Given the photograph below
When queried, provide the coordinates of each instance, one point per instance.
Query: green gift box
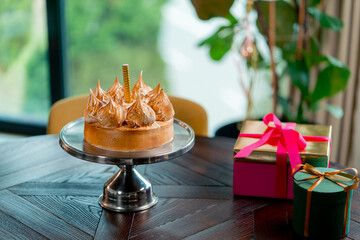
(322, 202)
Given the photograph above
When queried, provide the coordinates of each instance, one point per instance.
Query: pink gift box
(254, 179)
(255, 175)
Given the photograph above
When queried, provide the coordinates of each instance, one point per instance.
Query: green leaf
(335, 62)
(289, 51)
(313, 59)
(335, 110)
(325, 20)
(299, 74)
(314, 45)
(212, 38)
(207, 41)
(232, 19)
(331, 80)
(220, 42)
(313, 3)
(311, 56)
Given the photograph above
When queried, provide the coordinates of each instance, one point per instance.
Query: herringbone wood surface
(47, 194)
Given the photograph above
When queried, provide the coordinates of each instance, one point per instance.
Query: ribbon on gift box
(333, 177)
(288, 142)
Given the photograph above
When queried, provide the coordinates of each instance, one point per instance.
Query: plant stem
(272, 12)
(252, 76)
(292, 86)
(250, 105)
(301, 19)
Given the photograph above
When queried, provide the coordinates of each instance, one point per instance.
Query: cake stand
(127, 190)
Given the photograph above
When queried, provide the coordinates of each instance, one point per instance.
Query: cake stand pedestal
(127, 190)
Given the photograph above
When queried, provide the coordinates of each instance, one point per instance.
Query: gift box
(268, 151)
(322, 202)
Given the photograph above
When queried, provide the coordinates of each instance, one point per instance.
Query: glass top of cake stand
(72, 141)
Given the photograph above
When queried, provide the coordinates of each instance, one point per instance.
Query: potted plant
(283, 38)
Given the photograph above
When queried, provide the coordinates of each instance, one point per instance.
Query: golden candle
(126, 75)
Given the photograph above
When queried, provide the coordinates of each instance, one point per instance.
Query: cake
(142, 123)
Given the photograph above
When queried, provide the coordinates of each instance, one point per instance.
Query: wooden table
(46, 193)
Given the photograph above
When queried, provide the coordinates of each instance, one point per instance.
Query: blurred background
(157, 37)
(55, 49)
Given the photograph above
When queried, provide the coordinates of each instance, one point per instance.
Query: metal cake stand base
(127, 190)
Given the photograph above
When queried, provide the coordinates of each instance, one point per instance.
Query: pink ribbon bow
(288, 141)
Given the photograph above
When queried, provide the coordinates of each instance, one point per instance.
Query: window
(24, 94)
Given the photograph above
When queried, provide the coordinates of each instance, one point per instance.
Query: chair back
(191, 113)
(69, 109)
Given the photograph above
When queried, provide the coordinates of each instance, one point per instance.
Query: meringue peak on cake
(139, 114)
(112, 115)
(100, 93)
(140, 88)
(161, 104)
(153, 93)
(92, 107)
(116, 91)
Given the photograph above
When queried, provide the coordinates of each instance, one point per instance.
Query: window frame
(57, 59)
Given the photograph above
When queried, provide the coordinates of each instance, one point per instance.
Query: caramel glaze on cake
(144, 123)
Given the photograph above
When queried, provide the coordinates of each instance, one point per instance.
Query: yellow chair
(69, 109)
